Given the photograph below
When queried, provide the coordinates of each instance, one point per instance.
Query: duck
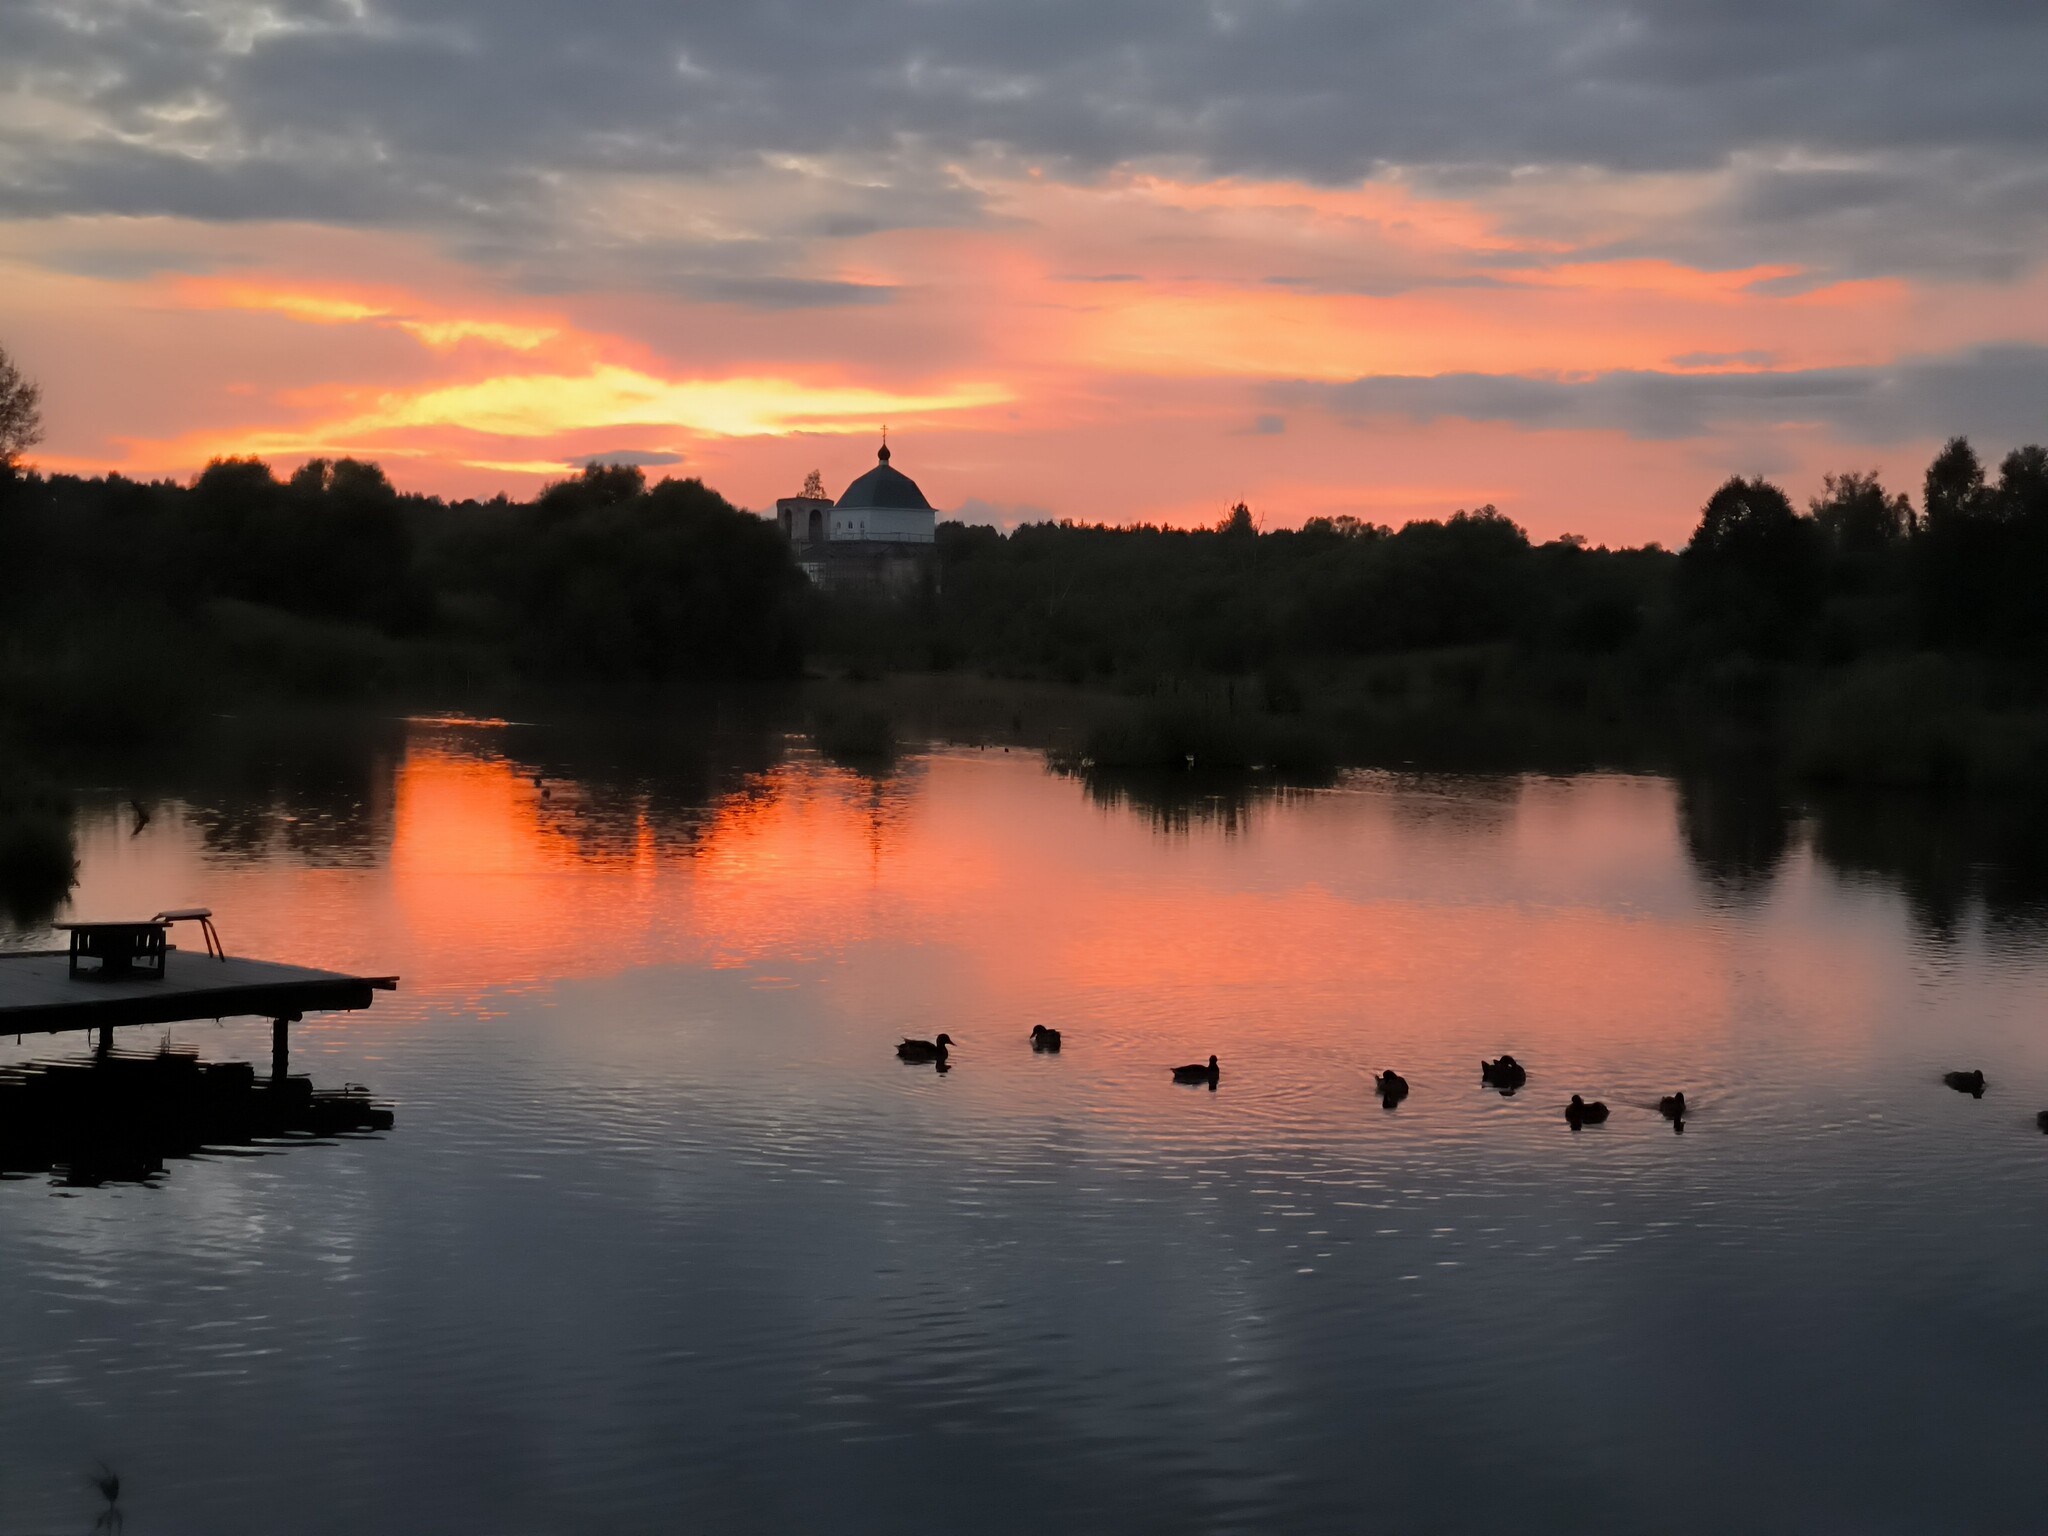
(2042, 1120)
(1391, 1085)
(1971, 1083)
(1579, 1112)
(1506, 1074)
(1194, 1074)
(1043, 1039)
(1672, 1106)
(925, 1050)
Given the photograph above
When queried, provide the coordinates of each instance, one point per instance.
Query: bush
(38, 859)
(855, 737)
(1183, 737)
(1918, 723)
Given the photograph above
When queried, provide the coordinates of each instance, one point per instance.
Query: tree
(1955, 492)
(1753, 567)
(1238, 520)
(814, 486)
(2023, 487)
(1345, 526)
(1856, 515)
(21, 417)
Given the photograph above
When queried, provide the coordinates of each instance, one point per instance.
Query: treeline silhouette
(333, 582)
(1861, 572)
(1883, 639)
(1879, 639)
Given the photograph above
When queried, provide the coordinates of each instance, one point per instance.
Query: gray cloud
(1898, 135)
(635, 457)
(1751, 357)
(128, 262)
(786, 292)
(1999, 393)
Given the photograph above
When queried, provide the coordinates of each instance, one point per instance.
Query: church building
(879, 533)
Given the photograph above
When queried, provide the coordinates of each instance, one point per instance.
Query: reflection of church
(879, 533)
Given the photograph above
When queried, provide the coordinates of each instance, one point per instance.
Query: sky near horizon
(1118, 260)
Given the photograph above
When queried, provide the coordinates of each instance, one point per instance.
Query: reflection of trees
(319, 789)
(613, 792)
(1737, 829)
(1944, 855)
(324, 791)
(1467, 804)
(1177, 802)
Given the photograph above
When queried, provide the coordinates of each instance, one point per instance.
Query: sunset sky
(1120, 260)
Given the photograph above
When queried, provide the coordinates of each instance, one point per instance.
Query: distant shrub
(1181, 737)
(1919, 723)
(856, 737)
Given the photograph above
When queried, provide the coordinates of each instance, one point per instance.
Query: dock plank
(38, 995)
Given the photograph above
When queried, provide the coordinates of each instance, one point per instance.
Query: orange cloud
(440, 332)
(1096, 350)
(542, 407)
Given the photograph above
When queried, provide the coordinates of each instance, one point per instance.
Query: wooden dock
(39, 995)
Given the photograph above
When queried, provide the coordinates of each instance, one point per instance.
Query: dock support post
(106, 1039)
(280, 1048)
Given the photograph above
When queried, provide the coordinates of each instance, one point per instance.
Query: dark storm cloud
(1864, 134)
(1998, 392)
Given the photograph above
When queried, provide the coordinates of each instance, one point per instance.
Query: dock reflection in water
(119, 1116)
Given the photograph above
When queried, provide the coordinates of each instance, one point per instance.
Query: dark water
(665, 1239)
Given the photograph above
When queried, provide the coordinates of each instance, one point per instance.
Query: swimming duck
(1579, 1112)
(1207, 1074)
(1506, 1074)
(925, 1050)
(1391, 1085)
(1672, 1106)
(1043, 1039)
(1971, 1083)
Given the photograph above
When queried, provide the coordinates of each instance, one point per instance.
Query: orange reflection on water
(978, 890)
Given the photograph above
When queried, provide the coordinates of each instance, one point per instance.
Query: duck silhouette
(1043, 1039)
(2042, 1120)
(1196, 1074)
(1506, 1074)
(1579, 1112)
(1391, 1086)
(1971, 1083)
(1672, 1106)
(925, 1050)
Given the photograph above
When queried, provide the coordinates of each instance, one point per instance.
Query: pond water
(666, 1239)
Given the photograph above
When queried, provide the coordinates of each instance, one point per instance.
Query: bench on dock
(118, 951)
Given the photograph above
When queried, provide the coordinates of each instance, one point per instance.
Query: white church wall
(893, 525)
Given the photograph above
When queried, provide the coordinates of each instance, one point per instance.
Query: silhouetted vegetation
(21, 417)
(38, 857)
(859, 736)
(1868, 641)
(122, 604)
(1861, 640)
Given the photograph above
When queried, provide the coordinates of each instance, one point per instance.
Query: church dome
(885, 487)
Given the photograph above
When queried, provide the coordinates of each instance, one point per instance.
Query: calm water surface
(666, 1239)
